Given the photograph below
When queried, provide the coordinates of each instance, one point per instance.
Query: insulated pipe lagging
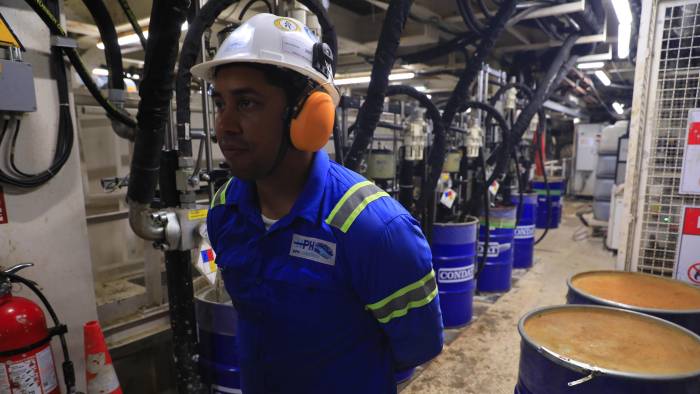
(156, 92)
(475, 63)
(384, 58)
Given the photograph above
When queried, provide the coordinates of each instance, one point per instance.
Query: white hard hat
(279, 41)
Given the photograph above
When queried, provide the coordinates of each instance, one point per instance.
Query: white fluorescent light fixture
(622, 10)
(618, 108)
(100, 72)
(591, 65)
(133, 38)
(603, 77)
(366, 79)
(624, 36)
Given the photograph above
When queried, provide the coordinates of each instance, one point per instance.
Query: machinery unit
(586, 139)
(665, 93)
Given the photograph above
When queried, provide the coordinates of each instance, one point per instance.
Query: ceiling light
(577, 120)
(365, 79)
(100, 72)
(603, 77)
(429, 96)
(401, 76)
(420, 88)
(618, 108)
(591, 65)
(624, 35)
(134, 38)
(136, 77)
(622, 10)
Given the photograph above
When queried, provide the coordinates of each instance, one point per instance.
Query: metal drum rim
(569, 283)
(550, 179)
(581, 367)
(468, 220)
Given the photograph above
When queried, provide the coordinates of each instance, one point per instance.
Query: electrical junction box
(586, 139)
(17, 87)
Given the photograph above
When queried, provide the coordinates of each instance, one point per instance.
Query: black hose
(55, 28)
(328, 34)
(481, 264)
(250, 4)
(538, 155)
(455, 44)
(475, 63)
(133, 21)
(465, 10)
(555, 73)
(337, 143)
(384, 58)
(108, 34)
(156, 90)
(191, 49)
(436, 157)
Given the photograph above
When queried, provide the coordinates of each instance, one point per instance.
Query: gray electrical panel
(17, 92)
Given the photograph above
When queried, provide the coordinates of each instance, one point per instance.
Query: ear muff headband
(311, 128)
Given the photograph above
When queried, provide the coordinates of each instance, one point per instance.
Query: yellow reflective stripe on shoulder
(413, 296)
(220, 195)
(353, 202)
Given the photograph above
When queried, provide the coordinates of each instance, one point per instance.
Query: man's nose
(228, 123)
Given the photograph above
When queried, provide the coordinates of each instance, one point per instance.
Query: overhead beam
(556, 10)
(591, 39)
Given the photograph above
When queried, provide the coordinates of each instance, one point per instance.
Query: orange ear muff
(311, 129)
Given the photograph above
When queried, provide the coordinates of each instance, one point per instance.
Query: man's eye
(245, 104)
(219, 104)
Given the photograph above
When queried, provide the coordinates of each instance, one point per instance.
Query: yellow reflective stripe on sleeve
(353, 202)
(345, 197)
(356, 212)
(415, 295)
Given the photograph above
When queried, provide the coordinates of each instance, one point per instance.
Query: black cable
(55, 28)
(538, 155)
(64, 138)
(384, 58)
(68, 371)
(133, 21)
(13, 165)
(465, 10)
(108, 33)
(481, 264)
(250, 4)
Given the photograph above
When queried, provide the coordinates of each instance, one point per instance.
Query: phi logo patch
(313, 249)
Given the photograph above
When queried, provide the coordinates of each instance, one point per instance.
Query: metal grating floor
(677, 91)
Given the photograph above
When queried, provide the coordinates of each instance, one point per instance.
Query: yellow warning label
(197, 214)
(7, 36)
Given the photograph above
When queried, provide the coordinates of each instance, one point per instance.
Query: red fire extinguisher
(26, 360)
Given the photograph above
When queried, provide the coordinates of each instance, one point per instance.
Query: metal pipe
(205, 118)
(141, 222)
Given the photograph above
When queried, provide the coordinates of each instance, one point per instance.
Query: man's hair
(292, 82)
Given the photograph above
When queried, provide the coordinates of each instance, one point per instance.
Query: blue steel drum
(218, 351)
(524, 239)
(664, 298)
(556, 189)
(498, 270)
(403, 376)
(558, 366)
(454, 250)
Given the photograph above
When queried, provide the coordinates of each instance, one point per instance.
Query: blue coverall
(336, 296)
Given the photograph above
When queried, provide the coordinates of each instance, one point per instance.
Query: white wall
(47, 225)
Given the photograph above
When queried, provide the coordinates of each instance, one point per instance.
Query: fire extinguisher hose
(58, 329)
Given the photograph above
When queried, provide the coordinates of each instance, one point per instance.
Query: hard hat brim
(205, 70)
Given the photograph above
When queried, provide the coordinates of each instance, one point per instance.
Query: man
(332, 279)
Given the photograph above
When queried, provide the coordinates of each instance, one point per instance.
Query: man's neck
(278, 192)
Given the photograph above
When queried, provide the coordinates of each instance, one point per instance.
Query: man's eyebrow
(236, 92)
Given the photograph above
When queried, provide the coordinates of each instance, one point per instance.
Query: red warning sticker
(688, 252)
(3, 208)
